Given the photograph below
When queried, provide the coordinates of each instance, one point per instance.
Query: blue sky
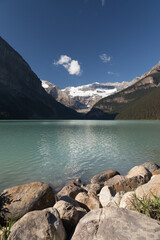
(75, 42)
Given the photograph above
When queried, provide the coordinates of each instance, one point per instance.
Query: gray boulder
(70, 190)
(72, 201)
(39, 225)
(19, 200)
(88, 201)
(121, 183)
(150, 188)
(151, 166)
(94, 188)
(106, 195)
(118, 179)
(81, 212)
(117, 199)
(128, 201)
(140, 171)
(116, 223)
(68, 214)
(103, 176)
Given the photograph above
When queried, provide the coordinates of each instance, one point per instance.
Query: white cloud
(105, 58)
(103, 2)
(63, 59)
(72, 66)
(113, 73)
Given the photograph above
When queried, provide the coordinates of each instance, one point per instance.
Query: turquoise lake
(56, 152)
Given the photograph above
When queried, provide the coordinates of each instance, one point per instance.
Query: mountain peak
(83, 97)
(139, 101)
(21, 91)
(155, 69)
(157, 66)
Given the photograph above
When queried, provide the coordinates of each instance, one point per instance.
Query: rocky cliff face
(134, 102)
(21, 93)
(59, 95)
(82, 98)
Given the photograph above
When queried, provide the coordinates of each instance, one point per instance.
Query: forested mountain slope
(139, 101)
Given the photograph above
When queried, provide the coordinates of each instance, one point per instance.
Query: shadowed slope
(21, 93)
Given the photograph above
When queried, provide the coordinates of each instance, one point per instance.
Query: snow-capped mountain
(91, 90)
(82, 98)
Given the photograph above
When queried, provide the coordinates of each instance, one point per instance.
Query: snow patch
(45, 85)
(80, 92)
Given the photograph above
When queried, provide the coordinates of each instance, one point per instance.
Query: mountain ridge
(83, 97)
(118, 105)
(22, 96)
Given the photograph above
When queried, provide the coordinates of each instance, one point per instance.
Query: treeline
(147, 107)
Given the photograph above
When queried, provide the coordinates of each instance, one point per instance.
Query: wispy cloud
(103, 2)
(113, 73)
(105, 58)
(72, 66)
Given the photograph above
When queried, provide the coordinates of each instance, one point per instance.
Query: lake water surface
(56, 152)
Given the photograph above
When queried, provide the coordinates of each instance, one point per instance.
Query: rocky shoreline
(104, 209)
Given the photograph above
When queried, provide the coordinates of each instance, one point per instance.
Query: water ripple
(58, 151)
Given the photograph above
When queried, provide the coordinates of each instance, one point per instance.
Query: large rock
(120, 183)
(15, 202)
(106, 195)
(81, 212)
(94, 188)
(114, 180)
(70, 190)
(73, 202)
(103, 176)
(151, 166)
(116, 199)
(39, 225)
(128, 201)
(68, 214)
(152, 187)
(70, 200)
(116, 223)
(139, 171)
(88, 201)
